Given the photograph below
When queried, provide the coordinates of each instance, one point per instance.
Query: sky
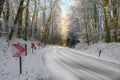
(65, 6)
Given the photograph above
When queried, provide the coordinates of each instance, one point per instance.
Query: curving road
(68, 64)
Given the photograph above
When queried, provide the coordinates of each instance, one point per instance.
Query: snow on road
(55, 63)
(68, 64)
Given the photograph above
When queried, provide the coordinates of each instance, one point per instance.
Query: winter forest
(88, 21)
(59, 39)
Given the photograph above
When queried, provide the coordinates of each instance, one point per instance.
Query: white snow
(109, 51)
(69, 64)
(60, 63)
(32, 64)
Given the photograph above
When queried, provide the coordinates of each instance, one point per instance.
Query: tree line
(30, 20)
(95, 20)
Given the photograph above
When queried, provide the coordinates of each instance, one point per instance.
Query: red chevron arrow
(38, 44)
(20, 50)
(32, 45)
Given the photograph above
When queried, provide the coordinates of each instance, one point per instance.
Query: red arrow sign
(38, 44)
(32, 45)
(20, 50)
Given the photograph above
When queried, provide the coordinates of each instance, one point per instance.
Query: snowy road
(67, 64)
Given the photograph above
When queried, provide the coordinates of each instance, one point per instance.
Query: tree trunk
(7, 17)
(86, 29)
(95, 23)
(35, 24)
(107, 21)
(17, 18)
(26, 20)
(1, 9)
(115, 19)
(1, 6)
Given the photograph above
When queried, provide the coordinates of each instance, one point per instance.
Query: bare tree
(17, 18)
(1, 10)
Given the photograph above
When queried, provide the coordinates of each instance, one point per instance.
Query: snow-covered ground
(109, 51)
(69, 64)
(58, 63)
(32, 64)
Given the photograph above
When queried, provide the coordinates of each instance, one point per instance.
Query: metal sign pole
(35, 49)
(20, 50)
(32, 50)
(20, 62)
(25, 49)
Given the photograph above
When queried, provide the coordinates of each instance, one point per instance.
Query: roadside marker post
(8, 43)
(25, 49)
(20, 62)
(32, 46)
(100, 53)
(35, 49)
(38, 44)
(20, 50)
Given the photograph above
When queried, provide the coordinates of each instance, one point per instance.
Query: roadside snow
(109, 51)
(36, 66)
(32, 65)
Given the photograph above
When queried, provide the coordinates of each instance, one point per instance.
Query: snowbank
(32, 65)
(108, 51)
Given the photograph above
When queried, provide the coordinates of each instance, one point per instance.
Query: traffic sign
(39, 44)
(20, 50)
(32, 45)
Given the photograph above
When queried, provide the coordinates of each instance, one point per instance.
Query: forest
(59, 39)
(86, 21)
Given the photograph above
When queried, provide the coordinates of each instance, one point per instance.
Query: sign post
(32, 46)
(19, 53)
(20, 62)
(39, 44)
(25, 49)
(8, 43)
